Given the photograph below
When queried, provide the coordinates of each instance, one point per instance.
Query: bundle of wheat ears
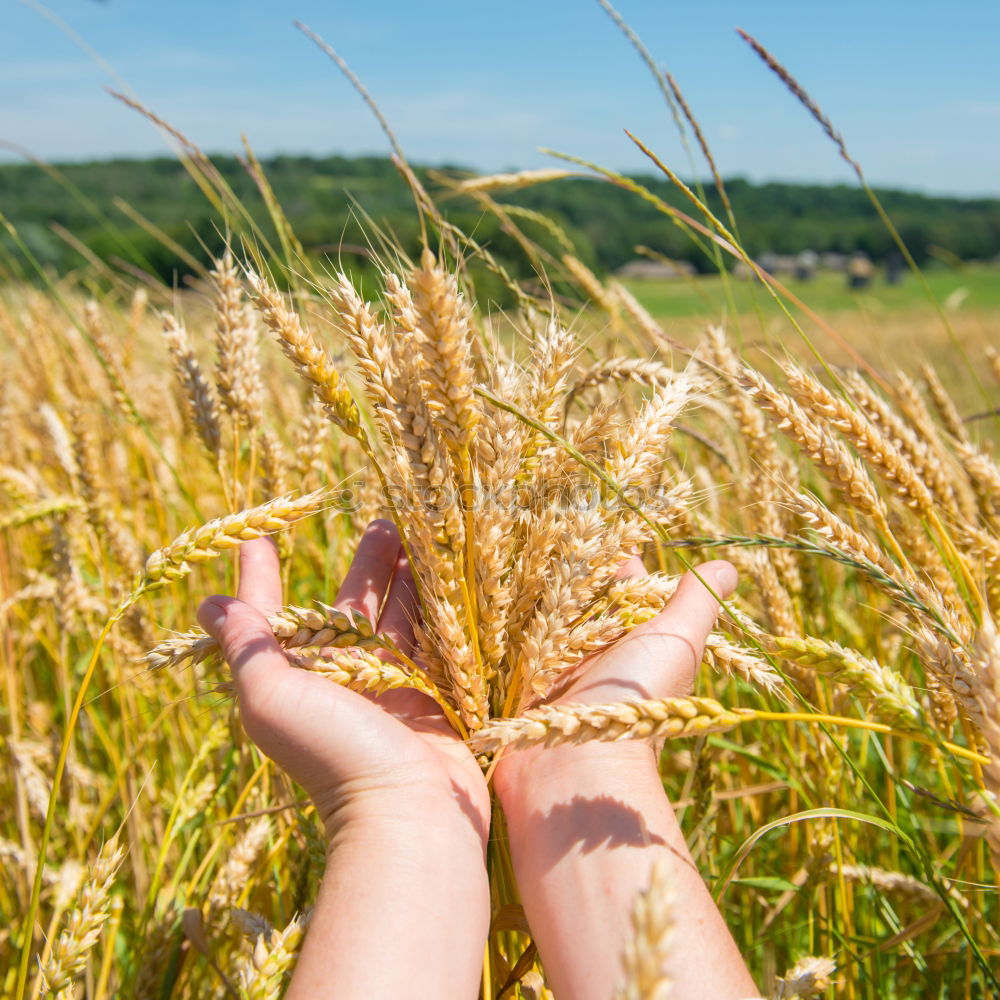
(515, 533)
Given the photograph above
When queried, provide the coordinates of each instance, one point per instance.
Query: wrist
(429, 818)
(533, 779)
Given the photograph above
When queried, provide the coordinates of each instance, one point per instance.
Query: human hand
(658, 659)
(356, 755)
(403, 909)
(587, 822)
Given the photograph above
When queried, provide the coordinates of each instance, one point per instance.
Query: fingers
(659, 659)
(247, 641)
(401, 606)
(260, 576)
(368, 578)
(693, 609)
(677, 634)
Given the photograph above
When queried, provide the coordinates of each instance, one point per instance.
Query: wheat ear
(647, 952)
(313, 363)
(199, 397)
(223, 533)
(628, 720)
(68, 956)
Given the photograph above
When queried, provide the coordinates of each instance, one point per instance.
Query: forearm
(403, 911)
(586, 825)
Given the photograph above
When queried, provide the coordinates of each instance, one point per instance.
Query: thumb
(247, 642)
(681, 628)
(692, 611)
(659, 658)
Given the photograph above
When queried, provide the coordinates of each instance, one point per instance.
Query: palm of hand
(348, 750)
(659, 658)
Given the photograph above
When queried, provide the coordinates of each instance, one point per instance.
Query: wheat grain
(237, 370)
(199, 396)
(199, 544)
(891, 697)
(809, 977)
(309, 358)
(262, 974)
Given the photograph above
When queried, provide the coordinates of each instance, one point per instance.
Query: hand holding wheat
(588, 822)
(348, 750)
(403, 800)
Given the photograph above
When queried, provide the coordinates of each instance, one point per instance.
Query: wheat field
(836, 771)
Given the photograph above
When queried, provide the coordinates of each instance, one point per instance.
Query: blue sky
(914, 86)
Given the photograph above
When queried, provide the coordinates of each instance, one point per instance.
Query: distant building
(859, 270)
(656, 270)
(778, 263)
(806, 263)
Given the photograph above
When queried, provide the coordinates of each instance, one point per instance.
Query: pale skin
(404, 906)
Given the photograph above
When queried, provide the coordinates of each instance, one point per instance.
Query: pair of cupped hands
(404, 908)
(353, 752)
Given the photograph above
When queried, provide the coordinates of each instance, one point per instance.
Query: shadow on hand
(592, 824)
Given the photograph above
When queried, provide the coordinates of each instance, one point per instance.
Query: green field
(970, 288)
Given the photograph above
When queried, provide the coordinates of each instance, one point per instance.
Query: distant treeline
(97, 206)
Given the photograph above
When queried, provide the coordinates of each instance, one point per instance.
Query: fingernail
(725, 577)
